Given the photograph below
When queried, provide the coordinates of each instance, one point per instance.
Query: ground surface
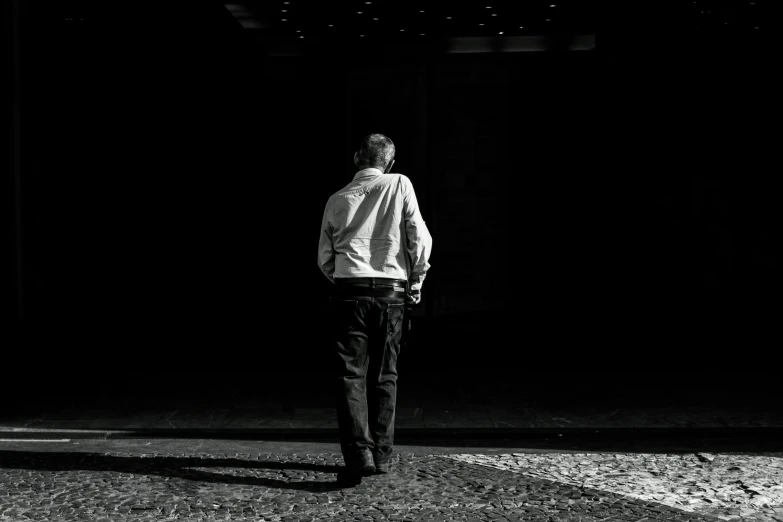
(118, 480)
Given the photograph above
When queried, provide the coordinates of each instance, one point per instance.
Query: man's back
(373, 228)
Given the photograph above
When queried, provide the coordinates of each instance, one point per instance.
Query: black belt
(399, 285)
(353, 290)
(370, 286)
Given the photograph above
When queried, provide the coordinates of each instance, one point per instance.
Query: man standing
(374, 247)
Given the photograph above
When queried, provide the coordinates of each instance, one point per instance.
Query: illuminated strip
(35, 440)
(58, 430)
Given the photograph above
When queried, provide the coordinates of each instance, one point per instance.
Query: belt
(370, 286)
(398, 285)
(356, 290)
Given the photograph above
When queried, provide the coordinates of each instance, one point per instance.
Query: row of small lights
(403, 30)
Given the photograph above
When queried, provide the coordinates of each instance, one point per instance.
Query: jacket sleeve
(418, 238)
(326, 247)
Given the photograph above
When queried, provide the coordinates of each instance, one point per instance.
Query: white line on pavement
(58, 430)
(35, 440)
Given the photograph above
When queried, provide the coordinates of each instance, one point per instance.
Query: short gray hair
(376, 150)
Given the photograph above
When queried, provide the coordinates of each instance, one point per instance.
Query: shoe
(362, 465)
(381, 467)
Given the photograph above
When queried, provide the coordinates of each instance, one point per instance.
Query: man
(374, 247)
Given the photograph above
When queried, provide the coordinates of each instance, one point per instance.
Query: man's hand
(412, 299)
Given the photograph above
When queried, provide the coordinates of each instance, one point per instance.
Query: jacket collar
(371, 171)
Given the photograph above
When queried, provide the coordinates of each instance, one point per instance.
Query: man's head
(376, 151)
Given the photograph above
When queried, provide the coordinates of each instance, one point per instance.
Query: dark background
(174, 174)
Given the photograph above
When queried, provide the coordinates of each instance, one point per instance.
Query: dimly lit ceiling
(395, 21)
(456, 26)
(401, 19)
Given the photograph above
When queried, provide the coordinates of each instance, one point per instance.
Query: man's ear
(356, 158)
(389, 167)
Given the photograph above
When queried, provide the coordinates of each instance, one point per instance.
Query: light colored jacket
(373, 228)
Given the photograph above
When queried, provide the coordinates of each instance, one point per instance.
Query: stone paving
(120, 486)
(727, 486)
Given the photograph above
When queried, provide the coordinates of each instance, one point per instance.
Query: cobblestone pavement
(119, 486)
(727, 486)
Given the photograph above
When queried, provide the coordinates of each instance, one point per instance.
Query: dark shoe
(381, 467)
(362, 465)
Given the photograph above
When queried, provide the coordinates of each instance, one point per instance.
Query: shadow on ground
(171, 467)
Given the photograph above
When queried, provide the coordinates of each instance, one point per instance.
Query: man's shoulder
(339, 196)
(402, 178)
(342, 191)
(333, 200)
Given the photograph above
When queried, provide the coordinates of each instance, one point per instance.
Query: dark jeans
(367, 334)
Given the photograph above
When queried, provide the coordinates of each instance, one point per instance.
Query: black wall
(175, 176)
